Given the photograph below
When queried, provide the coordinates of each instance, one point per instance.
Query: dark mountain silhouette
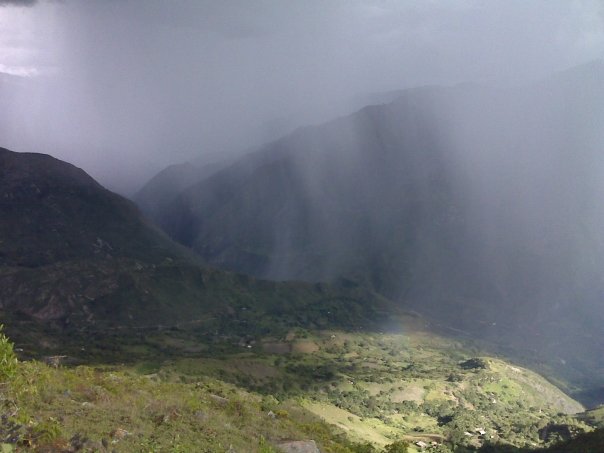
(75, 255)
(157, 194)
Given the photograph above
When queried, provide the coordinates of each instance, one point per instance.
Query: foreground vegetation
(48, 408)
(351, 392)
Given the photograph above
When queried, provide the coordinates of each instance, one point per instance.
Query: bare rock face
(299, 446)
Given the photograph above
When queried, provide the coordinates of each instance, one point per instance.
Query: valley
(476, 206)
(181, 389)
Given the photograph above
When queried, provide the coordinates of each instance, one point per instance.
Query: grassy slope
(372, 387)
(59, 409)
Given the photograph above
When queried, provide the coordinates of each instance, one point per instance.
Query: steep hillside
(53, 211)
(347, 392)
(475, 204)
(91, 409)
(73, 254)
(444, 188)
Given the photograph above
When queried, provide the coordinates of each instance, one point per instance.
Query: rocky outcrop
(299, 446)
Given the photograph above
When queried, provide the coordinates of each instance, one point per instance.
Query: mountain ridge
(74, 255)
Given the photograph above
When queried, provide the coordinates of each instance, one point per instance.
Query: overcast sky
(125, 87)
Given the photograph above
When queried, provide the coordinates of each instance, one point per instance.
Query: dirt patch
(305, 347)
(425, 437)
(291, 335)
(277, 348)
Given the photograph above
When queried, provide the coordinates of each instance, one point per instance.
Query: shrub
(363, 448)
(269, 403)
(400, 446)
(475, 363)
(264, 446)
(47, 432)
(281, 413)
(8, 360)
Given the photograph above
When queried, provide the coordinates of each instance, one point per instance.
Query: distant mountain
(481, 206)
(74, 255)
(155, 196)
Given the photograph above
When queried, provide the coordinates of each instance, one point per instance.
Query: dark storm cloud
(18, 2)
(139, 84)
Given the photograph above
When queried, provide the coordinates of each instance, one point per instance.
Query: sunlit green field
(170, 391)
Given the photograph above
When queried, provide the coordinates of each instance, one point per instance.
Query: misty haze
(319, 226)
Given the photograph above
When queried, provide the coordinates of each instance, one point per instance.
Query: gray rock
(299, 446)
(219, 400)
(201, 416)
